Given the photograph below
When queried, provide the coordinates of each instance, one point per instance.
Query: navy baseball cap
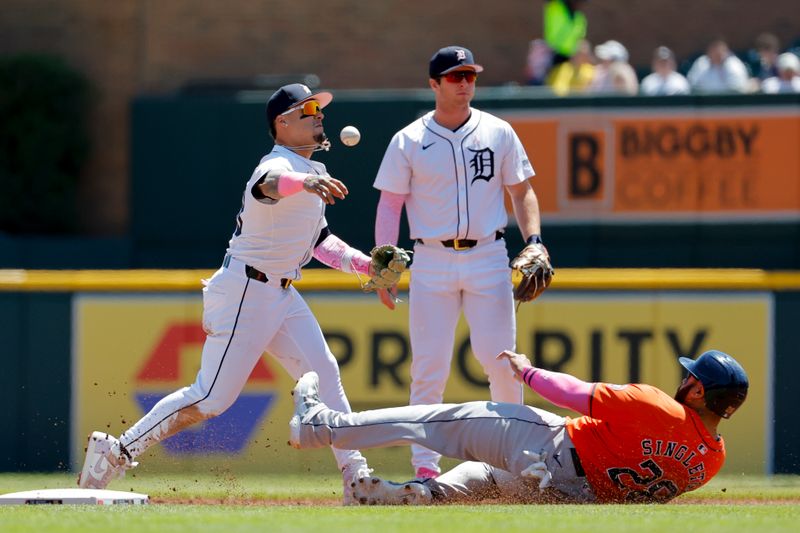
(451, 58)
(292, 95)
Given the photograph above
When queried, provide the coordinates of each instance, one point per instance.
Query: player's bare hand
(519, 362)
(388, 297)
(325, 187)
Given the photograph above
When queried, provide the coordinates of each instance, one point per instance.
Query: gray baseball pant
(488, 432)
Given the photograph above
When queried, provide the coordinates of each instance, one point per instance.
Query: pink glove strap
(291, 183)
(336, 253)
(559, 389)
(387, 219)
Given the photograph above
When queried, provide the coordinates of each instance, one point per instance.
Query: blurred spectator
(613, 74)
(718, 71)
(795, 47)
(664, 81)
(564, 27)
(763, 57)
(540, 58)
(575, 75)
(788, 78)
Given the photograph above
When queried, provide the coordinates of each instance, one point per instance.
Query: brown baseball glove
(537, 272)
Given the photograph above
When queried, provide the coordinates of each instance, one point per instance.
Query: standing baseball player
(633, 444)
(249, 304)
(450, 169)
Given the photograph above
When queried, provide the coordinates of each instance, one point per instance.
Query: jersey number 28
(644, 488)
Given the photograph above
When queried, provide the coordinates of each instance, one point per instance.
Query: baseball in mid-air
(350, 136)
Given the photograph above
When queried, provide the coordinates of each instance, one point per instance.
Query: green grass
(751, 504)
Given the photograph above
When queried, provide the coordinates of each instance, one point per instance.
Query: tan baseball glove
(537, 272)
(388, 262)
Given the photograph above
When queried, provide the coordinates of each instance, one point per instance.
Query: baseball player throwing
(634, 443)
(450, 169)
(249, 304)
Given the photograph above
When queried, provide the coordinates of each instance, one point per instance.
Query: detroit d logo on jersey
(482, 164)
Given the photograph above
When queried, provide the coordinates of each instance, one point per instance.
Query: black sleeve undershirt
(323, 235)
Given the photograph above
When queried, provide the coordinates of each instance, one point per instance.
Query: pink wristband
(291, 183)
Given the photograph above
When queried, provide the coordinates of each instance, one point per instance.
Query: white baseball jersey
(454, 182)
(454, 179)
(278, 239)
(244, 317)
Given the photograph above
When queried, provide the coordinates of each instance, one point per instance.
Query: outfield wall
(93, 350)
(715, 179)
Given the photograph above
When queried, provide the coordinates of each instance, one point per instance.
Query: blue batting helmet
(723, 378)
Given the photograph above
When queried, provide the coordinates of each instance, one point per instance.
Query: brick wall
(128, 47)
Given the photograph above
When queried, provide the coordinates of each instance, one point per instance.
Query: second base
(73, 496)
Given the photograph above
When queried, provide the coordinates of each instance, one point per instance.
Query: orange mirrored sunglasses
(310, 108)
(455, 77)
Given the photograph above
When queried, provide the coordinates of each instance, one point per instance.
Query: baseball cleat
(377, 491)
(305, 395)
(351, 475)
(106, 460)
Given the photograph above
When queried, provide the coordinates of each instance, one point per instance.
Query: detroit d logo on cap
(461, 55)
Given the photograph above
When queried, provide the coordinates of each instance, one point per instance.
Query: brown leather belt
(463, 244)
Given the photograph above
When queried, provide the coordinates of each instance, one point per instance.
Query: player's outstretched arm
(383, 266)
(326, 187)
(518, 362)
(563, 390)
(332, 251)
(277, 184)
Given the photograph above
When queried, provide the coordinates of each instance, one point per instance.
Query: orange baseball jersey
(640, 445)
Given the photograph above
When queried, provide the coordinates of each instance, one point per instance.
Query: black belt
(256, 274)
(576, 462)
(464, 244)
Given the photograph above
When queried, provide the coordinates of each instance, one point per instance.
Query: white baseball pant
(243, 318)
(443, 283)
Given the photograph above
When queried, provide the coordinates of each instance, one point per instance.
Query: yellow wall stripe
(327, 279)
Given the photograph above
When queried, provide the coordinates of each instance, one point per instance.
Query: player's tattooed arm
(326, 187)
(267, 186)
(277, 184)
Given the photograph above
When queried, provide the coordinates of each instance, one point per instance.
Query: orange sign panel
(685, 165)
